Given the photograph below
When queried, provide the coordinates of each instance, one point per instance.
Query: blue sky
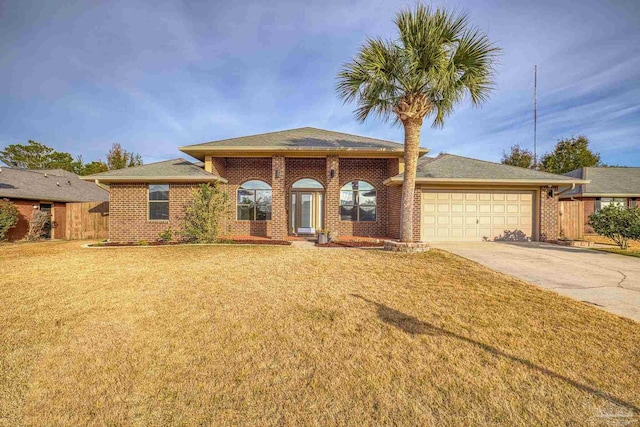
(154, 75)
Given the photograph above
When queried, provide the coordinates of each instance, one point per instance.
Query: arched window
(307, 183)
(254, 201)
(358, 202)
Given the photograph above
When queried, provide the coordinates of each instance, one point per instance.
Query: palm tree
(435, 62)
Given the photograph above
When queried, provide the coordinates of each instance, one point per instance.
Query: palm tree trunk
(411, 150)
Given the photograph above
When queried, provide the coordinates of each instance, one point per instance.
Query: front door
(306, 212)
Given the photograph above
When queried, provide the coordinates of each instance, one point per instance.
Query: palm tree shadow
(414, 326)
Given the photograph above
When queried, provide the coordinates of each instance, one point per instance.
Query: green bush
(617, 223)
(205, 213)
(166, 235)
(8, 217)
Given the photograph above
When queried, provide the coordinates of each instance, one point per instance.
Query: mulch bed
(353, 244)
(226, 242)
(259, 242)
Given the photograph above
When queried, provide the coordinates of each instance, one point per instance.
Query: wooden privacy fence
(87, 220)
(571, 219)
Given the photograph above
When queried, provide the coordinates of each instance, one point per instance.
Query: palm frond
(371, 79)
(437, 55)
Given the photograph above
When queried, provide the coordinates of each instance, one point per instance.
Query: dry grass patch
(204, 335)
(627, 252)
(606, 241)
(634, 246)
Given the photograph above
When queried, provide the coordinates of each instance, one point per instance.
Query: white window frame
(149, 201)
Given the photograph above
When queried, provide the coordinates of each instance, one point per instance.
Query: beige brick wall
(128, 211)
(238, 170)
(218, 166)
(373, 171)
(332, 196)
(589, 206)
(417, 205)
(307, 168)
(128, 208)
(549, 227)
(394, 203)
(279, 202)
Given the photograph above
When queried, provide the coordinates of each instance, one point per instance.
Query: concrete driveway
(608, 281)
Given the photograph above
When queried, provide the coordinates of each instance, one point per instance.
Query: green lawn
(242, 335)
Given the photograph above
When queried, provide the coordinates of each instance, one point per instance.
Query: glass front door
(306, 212)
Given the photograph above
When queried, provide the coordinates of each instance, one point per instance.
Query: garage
(463, 199)
(476, 215)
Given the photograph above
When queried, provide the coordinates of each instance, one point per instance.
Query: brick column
(548, 214)
(332, 196)
(279, 199)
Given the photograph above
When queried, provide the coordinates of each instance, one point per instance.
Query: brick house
(45, 189)
(619, 186)
(295, 182)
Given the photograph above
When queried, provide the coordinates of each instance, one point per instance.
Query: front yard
(240, 335)
(634, 246)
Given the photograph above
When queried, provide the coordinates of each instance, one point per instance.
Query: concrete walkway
(608, 281)
(303, 244)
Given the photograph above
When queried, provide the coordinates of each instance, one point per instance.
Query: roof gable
(298, 141)
(306, 137)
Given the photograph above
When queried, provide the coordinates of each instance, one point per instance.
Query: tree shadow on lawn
(414, 326)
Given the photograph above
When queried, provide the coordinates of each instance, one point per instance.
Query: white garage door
(476, 215)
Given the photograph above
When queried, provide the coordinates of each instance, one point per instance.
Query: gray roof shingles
(302, 138)
(604, 181)
(51, 185)
(168, 168)
(449, 166)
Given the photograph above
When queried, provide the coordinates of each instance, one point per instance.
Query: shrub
(8, 217)
(37, 225)
(617, 223)
(205, 213)
(166, 235)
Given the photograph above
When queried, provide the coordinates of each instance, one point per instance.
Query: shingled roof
(448, 168)
(305, 139)
(51, 185)
(175, 170)
(606, 182)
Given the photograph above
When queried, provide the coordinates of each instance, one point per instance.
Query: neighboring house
(620, 186)
(297, 181)
(48, 190)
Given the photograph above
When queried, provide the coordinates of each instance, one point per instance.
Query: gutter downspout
(567, 189)
(101, 185)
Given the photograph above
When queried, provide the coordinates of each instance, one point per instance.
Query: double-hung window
(158, 202)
